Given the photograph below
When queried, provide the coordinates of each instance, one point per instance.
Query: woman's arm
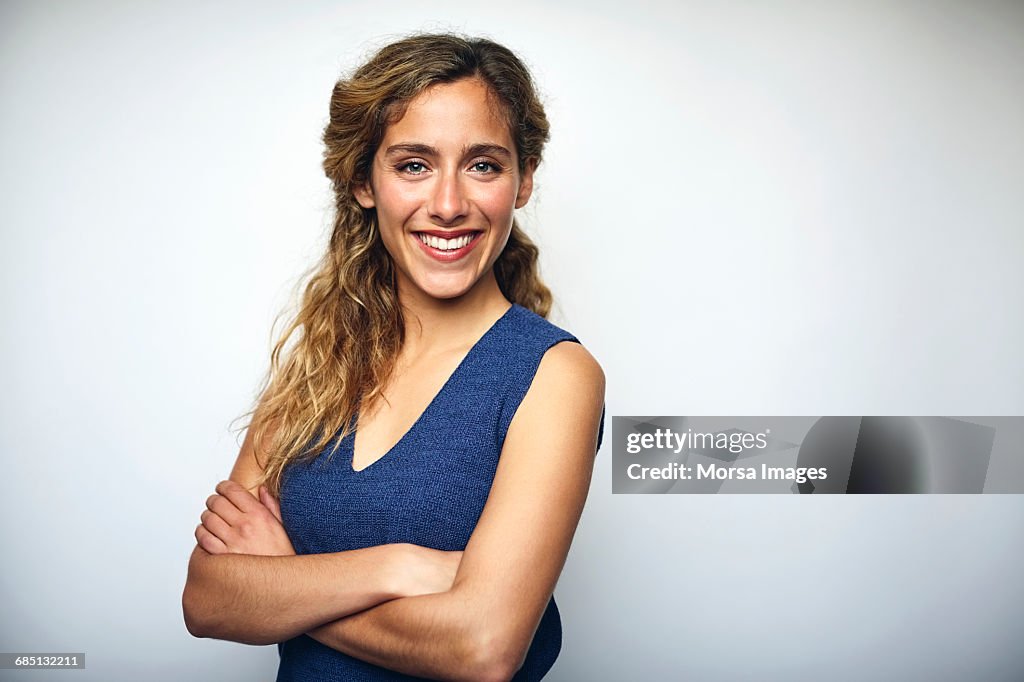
(245, 583)
(268, 599)
(482, 627)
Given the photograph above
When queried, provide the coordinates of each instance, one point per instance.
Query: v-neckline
(437, 396)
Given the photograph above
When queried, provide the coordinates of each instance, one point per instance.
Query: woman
(428, 538)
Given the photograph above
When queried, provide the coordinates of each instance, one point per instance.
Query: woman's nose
(447, 200)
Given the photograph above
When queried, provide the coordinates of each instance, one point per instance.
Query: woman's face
(445, 183)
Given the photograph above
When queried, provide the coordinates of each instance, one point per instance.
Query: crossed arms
(449, 615)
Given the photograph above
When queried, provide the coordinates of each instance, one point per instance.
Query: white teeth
(445, 244)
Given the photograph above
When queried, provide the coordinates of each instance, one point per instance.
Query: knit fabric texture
(429, 489)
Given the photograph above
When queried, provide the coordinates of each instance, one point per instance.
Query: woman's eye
(485, 167)
(413, 168)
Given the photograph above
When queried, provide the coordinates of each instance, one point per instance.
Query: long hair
(349, 326)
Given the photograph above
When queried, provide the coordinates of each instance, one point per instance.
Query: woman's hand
(238, 523)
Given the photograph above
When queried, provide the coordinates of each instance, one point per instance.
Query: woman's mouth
(447, 249)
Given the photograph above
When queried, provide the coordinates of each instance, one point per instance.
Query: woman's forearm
(267, 599)
(440, 636)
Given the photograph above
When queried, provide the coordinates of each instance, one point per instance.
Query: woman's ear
(526, 183)
(364, 195)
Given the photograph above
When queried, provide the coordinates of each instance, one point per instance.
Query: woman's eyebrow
(488, 150)
(410, 148)
(426, 150)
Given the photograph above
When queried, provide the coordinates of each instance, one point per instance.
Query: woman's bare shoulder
(570, 362)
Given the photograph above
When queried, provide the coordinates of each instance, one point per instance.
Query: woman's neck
(436, 325)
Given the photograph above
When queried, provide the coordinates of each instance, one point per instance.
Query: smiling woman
(413, 474)
(445, 182)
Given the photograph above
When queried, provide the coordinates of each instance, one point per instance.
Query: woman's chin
(446, 288)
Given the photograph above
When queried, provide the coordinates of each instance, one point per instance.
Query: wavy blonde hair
(349, 326)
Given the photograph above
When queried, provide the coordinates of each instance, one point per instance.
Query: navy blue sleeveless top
(428, 490)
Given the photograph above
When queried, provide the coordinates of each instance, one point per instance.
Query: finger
(209, 541)
(239, 496)
(222, 507)
(216, 525)
(271, 503)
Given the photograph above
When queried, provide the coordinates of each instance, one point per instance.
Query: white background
(745, 208)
